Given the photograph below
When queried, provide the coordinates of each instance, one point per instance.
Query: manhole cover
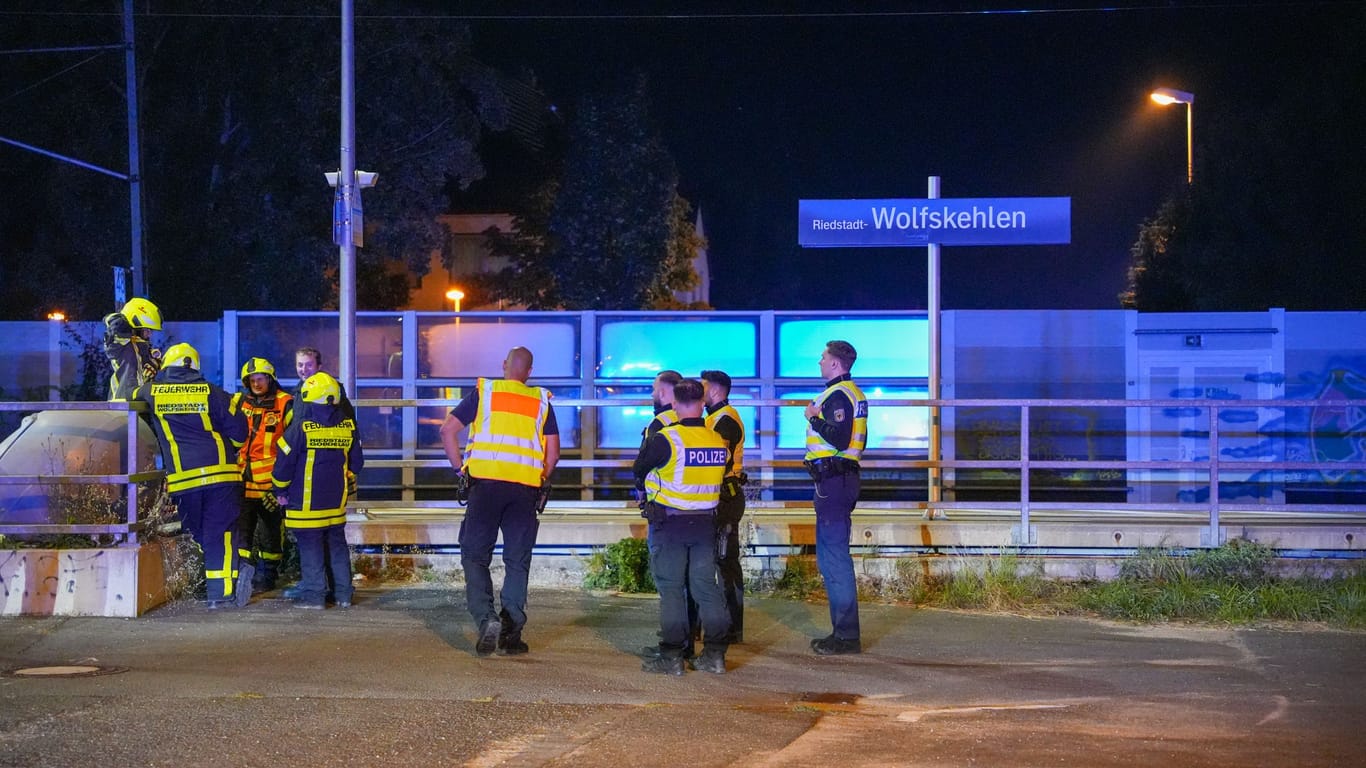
(65, 670)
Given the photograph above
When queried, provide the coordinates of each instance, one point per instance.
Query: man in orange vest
(269, 410)
(513, 446)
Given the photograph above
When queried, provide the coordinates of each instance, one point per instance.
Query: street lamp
(455, 295)
(1168, 96)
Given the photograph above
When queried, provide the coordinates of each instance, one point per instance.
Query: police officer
(725, 421)
(679, 473)
(269, 411)
(662, 393)
(127, 345)
(200, 432)
(318, 452)
(836, 433)
(513, 446)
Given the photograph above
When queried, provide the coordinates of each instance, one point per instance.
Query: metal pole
(134, 161)
(936, 476)
(1190, 149)
(346, 182)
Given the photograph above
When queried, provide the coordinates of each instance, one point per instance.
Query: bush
(799, 581)
(623, 566)
(1242, 562)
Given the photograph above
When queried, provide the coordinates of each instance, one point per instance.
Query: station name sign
(946, 221)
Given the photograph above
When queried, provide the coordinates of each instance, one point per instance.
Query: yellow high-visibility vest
(738, 450)
(818, 448)
(507, 440)
(691, 478)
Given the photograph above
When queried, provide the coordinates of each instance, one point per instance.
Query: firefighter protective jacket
(267, 417)
(315, 454)
(197, 427)
(129, 355)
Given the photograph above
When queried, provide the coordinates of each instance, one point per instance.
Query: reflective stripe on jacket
(818, 448)
(691, 478)
(267, 417)
(197, 427)
(316, 453)
(507, 439)
(737, 454)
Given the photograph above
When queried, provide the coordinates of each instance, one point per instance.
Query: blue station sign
(946, 221)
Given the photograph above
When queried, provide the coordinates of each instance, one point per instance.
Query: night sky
(762, 110)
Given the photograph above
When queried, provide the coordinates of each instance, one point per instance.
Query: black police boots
(835, 646)
(711, 660)
(663, 665)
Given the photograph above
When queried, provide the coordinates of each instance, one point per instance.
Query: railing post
(131, 539)
(1212, 538)
(588, 417)
(1023, 534)
(408, 424)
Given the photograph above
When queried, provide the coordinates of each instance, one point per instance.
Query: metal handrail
(131, 478)
(1211, 466)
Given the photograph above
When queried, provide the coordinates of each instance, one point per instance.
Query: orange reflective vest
(507, 438)
(267, 418)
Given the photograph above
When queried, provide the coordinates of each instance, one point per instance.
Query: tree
(610, 231)
(1276, 213)
(239, 122)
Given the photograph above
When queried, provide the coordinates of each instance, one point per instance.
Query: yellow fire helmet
(257, 365)
(142, 313)
(181, 354)
(321, 388)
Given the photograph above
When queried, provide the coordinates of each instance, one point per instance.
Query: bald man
(513, 446)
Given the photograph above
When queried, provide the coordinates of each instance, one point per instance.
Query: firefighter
(200, 431)
(127, 344)
(268, 410)
(317, 451)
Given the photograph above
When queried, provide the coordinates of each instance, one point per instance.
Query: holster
(653, 512)
(722, 539)
(829, 466)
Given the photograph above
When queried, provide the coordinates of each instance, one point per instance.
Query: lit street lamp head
(1167, 96)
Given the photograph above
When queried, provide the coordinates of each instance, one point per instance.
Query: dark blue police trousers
(835, 499)
(494, 506)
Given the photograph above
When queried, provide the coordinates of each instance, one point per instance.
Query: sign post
(930, 223)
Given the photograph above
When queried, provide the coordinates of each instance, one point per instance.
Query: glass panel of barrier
(634, 349)
(887, 347)
(430, 418)
(460, 346)
(379, 342)
(896, 428)
(623, 426)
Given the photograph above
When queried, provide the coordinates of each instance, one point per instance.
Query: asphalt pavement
(394, 680)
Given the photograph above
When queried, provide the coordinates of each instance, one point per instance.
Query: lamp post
(455, 295)
(1168, 96)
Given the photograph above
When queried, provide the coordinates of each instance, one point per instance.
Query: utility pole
(134, 176)
(134, 161)
(349, 199)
